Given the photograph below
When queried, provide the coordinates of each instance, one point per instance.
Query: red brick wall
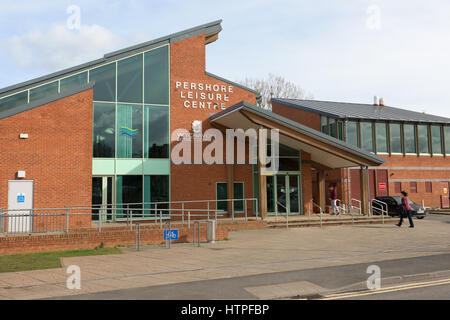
(306, 118)
(57, 156)
(197, 182)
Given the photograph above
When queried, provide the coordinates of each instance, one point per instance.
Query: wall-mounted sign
(21, 198)
(445, 190)
(198, 95)
(382, 186)
(172, 234)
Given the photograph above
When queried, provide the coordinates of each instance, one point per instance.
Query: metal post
(67, 220)
(320, 217)
(245, 210)
(232, 209)
(170, 233)
(2, 223)
(182, 212)
(208, 208)
(100, 220)
(256, 208)
(160, 219)
(189, 219)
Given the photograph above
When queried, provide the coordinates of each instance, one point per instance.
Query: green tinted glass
(129, 80)
(156, 76)
(15, 100)
(105, 82)
(104, 130)
(424, 138)
(352, 133)
(436, 139)
(410, 138)
(73, 82)
(367, 136)
(396, 138)
(381, 132)
(156, 125)
(129, 131)
(44, 91)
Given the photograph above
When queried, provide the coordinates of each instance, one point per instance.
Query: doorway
(284, 194)
(20, 198)
(102, 198)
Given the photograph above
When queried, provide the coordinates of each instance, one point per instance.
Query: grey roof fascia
(43, 101)
(208, 29)
(233, 83)
(300, 128)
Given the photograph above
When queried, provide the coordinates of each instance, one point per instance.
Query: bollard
(182, 212)
(189, 219)
(67, 220)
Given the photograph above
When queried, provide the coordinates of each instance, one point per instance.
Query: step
(298, 224)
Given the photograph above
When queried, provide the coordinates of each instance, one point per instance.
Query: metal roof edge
(234, 83)
(43, 101)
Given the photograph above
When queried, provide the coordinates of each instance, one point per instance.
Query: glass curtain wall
(367, 136)
(396, 138)
(352, 133)
(424, 139)
(436, 139)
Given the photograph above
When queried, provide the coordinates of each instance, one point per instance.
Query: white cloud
(60, 47)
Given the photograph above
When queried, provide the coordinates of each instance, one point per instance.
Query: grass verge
(46, 260)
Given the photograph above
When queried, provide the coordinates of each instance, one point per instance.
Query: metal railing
(359, 207)
(63, 220)
(382, 208)
(320, 210)
(287, 213)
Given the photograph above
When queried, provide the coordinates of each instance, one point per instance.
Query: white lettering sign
(198, 95)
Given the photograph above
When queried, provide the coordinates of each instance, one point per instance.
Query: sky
(345, 51)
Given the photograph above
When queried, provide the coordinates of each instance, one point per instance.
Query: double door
(284, 194)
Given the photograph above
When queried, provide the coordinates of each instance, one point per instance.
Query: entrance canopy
(326, 152)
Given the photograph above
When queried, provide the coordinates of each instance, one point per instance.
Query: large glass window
(129, 80)
(436, 139)
(381, 133)
(396, 138)
(447, 139)
(129, 127)
(73, 82)
(156, 76)
(324, 124)
(105, 82)
(15, 100)
(156, 190)
(424, 139)
(156, 141)
(332, 127)
(367, 136)
(104, 130)
(410, 138)
(352, 133)
(44, 91)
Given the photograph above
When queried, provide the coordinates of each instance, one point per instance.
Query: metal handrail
(354, 207)
(382, 206)
(287, 213)
(321, 212)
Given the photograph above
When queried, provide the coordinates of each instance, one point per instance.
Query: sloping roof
(243, 105)
(360, 111)
(209, 29)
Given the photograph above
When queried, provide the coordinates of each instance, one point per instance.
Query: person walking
(333, 199)
(406, 211)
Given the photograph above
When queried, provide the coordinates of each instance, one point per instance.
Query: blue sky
(335, 50)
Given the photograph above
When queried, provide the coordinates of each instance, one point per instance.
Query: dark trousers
(409, 214)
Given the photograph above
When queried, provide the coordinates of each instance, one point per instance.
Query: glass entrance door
(102, 198)
(286, 194)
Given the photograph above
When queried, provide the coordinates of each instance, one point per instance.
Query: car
(394, 204)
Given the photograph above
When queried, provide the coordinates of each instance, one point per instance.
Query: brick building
(102, 134)
(415, 146)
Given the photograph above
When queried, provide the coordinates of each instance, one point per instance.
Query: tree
(275, 86)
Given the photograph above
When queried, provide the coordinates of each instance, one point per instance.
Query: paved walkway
(246, 253)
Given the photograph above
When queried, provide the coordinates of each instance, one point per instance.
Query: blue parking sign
(172, 234)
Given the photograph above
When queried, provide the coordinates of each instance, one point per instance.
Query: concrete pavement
(248, 253)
